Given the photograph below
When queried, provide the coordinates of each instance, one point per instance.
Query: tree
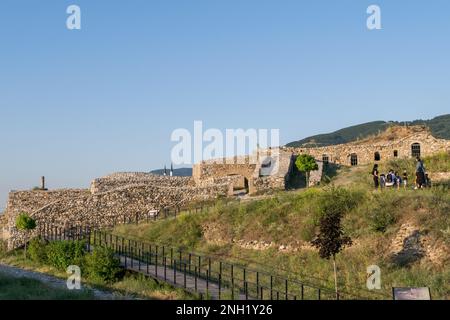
(306, 163)
(25, 223)
(331, 239)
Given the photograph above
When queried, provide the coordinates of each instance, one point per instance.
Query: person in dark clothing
(420, 174)
(375, 176)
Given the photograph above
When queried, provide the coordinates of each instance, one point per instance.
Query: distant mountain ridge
(439, 126)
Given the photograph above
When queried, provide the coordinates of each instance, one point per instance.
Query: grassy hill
(439, 126)
(406, 232)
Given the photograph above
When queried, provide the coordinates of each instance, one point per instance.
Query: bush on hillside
(3, 247)
(37, 250)
(339, 200)
(62, 254)
(102, 265)
(383, 210)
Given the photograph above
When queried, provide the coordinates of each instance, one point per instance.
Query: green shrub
(62, 254)
(102, 265)
(38, 250)
(24, 222)
(308, 230)
(3, 247)
(382, 218)
(339, 200)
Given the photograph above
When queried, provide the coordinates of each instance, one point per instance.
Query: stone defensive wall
(263, 172)
(102, 208)
(396, 142)
(125, 179)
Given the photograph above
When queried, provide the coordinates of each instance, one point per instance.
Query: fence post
(131, 253)
(125, 252)
(185, 275)
(232, 282)
(207, 282)
(286, 284)
(165, 268)
(174, 266)
(303, 292)
(257, 285)
(220, 284)
(190, 261)
(271, 287)
(195, 278)
(139, 260)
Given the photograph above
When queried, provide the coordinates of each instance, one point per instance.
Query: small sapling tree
(331, 240)
(306, 163)
(25, 223)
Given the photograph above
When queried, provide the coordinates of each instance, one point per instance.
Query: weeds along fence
(201, 274)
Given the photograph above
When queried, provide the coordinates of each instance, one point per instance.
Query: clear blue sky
(75, 105)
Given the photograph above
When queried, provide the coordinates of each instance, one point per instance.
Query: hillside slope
(406, 232)
(439, 126)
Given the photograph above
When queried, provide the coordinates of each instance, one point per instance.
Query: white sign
(411, 293)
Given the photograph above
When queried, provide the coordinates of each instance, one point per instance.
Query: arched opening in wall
(377, 156)
(395, 153)
(240, 184)
(354, 159)
(325, 159)
(246, 186)
(415, 150)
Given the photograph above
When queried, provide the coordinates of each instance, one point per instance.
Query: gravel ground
(53, 281)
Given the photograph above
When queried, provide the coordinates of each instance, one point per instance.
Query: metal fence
(208, 276)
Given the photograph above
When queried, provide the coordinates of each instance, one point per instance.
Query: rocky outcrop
(412, 244)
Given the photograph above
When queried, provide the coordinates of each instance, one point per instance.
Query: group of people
(395, 180)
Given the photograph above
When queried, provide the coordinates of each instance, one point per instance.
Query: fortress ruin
(122, 196)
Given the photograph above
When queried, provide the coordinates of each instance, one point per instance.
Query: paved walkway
(177, 278)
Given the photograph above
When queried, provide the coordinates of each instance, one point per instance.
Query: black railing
(207, 276)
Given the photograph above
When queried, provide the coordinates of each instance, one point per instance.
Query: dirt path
(52, 281)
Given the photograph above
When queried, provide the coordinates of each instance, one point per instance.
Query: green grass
(12, 288)
(131, 286)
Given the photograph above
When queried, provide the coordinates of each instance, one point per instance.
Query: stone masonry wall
(386, 145)
(220, 169)
(124, 179)
(81, 207)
